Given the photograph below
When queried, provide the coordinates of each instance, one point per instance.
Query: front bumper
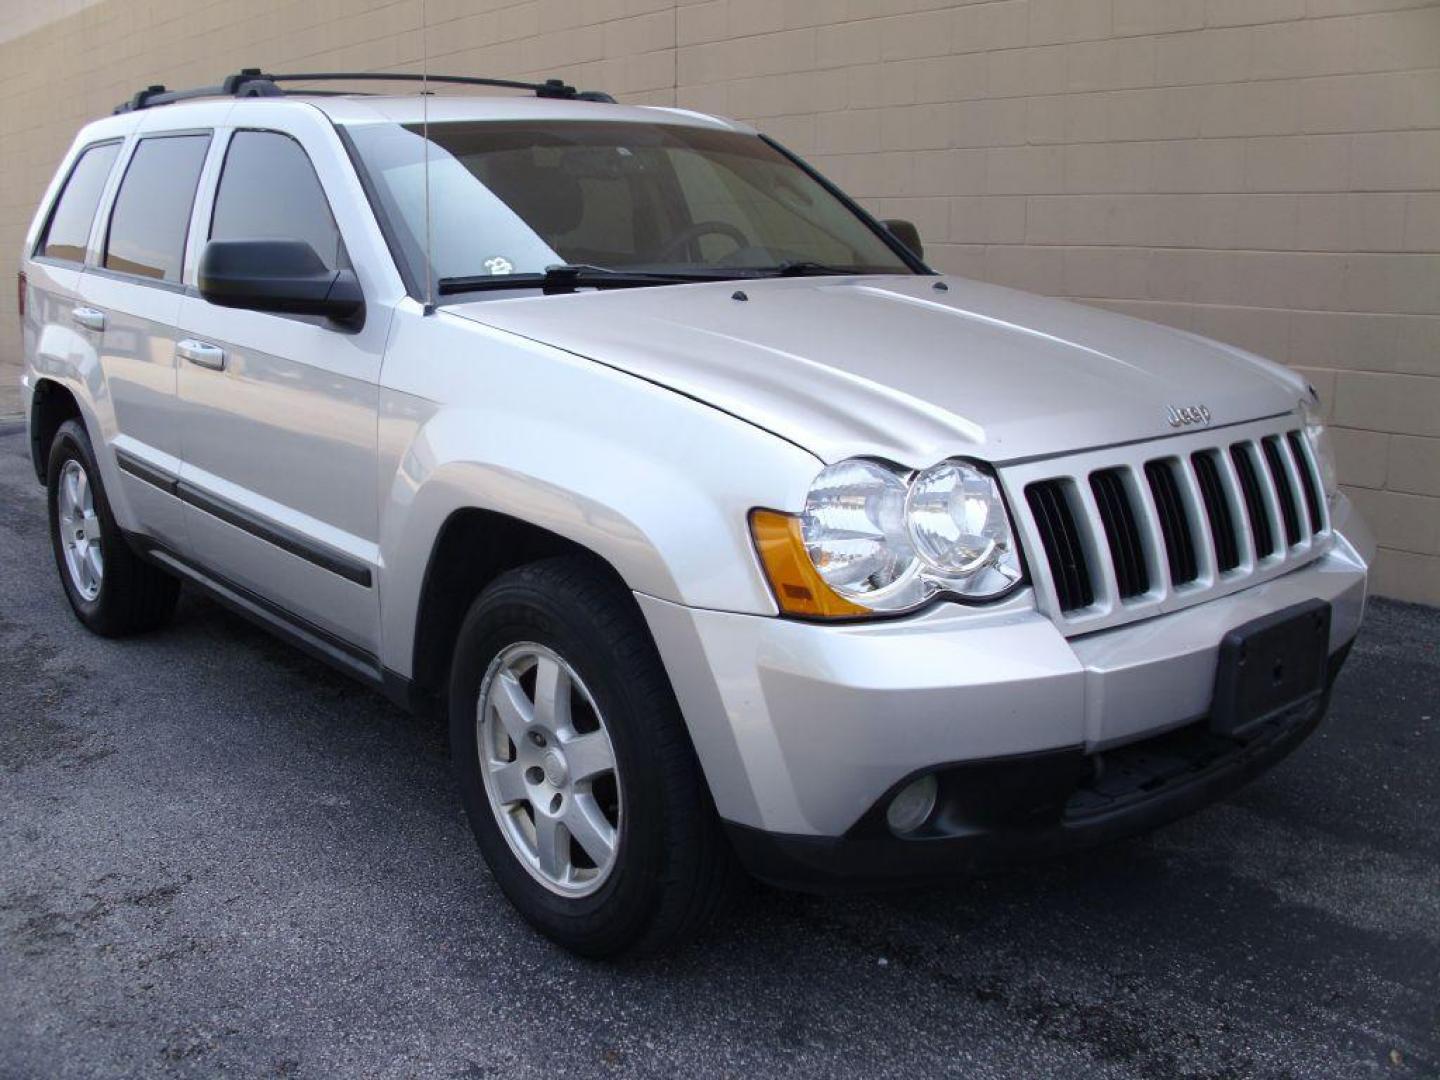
(804, 729)
(1006, 811)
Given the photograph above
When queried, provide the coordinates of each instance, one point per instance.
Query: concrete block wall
(1266, 172)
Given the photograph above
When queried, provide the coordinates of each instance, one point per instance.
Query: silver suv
(729, 536)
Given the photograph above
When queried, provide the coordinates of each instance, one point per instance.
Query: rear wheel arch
(53, 404)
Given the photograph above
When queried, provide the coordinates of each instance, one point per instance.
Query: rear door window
(269, 191)
(68, 233)
(152, 210)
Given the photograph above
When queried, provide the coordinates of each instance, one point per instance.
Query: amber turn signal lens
(798, 587)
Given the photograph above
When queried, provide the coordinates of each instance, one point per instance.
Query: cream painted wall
(1262, 171)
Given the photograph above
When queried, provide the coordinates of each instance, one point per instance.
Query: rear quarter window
(152, 210)
(68, 232)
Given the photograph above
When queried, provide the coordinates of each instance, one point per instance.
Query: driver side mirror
(283, 276)
(907, 234)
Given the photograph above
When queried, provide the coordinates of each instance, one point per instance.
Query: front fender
(658, 485)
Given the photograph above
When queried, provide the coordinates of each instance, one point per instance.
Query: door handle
(88, 317)
(201, 354)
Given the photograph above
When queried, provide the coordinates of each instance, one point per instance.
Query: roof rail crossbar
(158, 95)
(252, 82)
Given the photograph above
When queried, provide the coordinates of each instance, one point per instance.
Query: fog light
(909, 809)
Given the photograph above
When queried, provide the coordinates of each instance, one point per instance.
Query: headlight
(854, 531)
(1319, 439)
(876, 539)
(961, 531)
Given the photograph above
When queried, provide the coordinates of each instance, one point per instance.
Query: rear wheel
(578, 776)
(109, 587)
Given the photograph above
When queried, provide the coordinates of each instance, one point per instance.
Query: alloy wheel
(80, 530)
(549, 769)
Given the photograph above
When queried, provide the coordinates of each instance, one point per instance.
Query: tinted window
(69, 230)
(269, 191)
(152, 210)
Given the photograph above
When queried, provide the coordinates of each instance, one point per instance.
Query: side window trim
(136, 279)
(100, 205)
(198, 233)
(101, 244)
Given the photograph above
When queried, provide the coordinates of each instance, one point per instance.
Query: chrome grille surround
(1072, 472)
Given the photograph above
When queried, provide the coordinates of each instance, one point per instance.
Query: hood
(892, 367)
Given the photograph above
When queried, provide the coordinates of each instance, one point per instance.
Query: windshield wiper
(803, 268)
(566, 278)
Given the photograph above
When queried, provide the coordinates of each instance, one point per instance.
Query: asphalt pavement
(218, 857)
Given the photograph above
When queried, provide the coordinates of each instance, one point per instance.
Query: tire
(672, 869)
(111, 589)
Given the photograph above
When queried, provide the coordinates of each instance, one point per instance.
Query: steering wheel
(688, 236)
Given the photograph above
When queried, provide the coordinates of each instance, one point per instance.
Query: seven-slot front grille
(1121, 534)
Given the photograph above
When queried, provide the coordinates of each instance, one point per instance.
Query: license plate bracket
(1271, 665)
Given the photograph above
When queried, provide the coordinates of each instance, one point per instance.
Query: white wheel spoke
(551, 845)
(588, 755)
(590, 829)
(509, 781)
(515, 710)
(72, 490)
(552, 694)
(79, 528)
(93, 566)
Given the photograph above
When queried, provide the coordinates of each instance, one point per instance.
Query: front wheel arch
(472, 549)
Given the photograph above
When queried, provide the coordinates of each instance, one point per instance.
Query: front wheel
(578, 776)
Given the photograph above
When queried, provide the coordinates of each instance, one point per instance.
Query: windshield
(512, 198)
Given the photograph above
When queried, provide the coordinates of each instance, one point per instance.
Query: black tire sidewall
(514, 610)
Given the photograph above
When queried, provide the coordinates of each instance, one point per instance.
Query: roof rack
(252, 82)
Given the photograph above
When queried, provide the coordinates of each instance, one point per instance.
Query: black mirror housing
(283, 276)
(907, 234)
